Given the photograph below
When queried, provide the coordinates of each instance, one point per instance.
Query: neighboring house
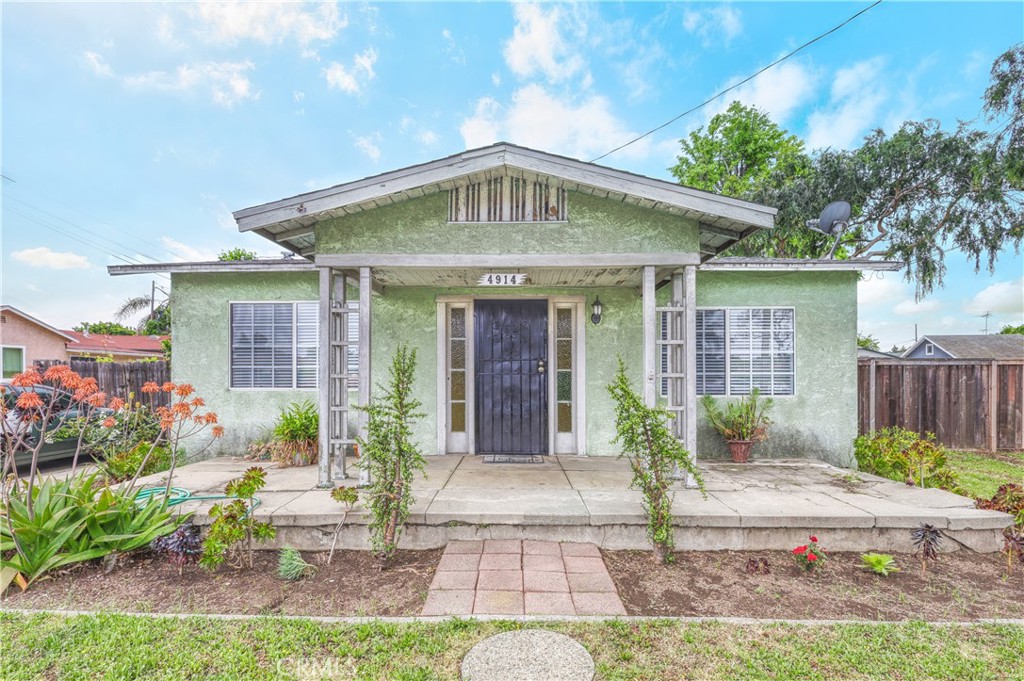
(865, 353)
(25, 340)
(971, 346)
(115, 348)
(490, 265)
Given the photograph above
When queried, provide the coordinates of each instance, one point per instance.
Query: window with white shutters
(743, 348)
(274, 345)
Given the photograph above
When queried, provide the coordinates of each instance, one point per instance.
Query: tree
(1004, 106)
(156, 324)
(108, 328)
(1015, 330)
(236, 254)
(898, 349)
(741, 150)
(868, 342)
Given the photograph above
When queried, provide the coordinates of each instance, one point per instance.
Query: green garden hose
(179, 495)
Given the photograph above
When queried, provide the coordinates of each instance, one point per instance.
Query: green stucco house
(519, 277)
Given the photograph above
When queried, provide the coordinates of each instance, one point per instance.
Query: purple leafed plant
(183, 546)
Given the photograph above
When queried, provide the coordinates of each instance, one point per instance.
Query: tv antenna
(985, 317)
(833, 221)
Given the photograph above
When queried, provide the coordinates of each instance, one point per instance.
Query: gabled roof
(819, 264)
(289, 222)
(216, 267)
(120, 345)
(9, 309)
(976, 346)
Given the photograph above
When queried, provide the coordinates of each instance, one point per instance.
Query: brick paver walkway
(513, 577)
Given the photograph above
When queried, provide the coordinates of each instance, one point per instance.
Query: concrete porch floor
(765, 504)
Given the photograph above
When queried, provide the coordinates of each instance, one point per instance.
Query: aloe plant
(745, 420)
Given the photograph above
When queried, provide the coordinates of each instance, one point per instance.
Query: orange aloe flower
(26, 379)
(218, 431)
(109, 422)
(29, 400)
(150, 387)
(184, 390)
(168, 387)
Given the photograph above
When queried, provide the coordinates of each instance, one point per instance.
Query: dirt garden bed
(350, 585)
(960, 586)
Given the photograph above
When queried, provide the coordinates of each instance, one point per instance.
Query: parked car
(67, 410)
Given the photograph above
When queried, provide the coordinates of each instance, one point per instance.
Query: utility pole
(152, 299)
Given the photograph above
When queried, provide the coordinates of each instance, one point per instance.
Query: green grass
(108, 646)
(981, 475)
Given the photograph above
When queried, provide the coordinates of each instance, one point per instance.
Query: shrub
(903, 455)
(296, 435)
(182, 547)
(389, 454)
(810, 556)
(291, 566)
(348, 496)
(122, 466)
(234, 524)
(879, 563)
(654, 454)
(928, 540)
(1008, 498)
(73, 520)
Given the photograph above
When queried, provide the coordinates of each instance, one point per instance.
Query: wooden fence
(118, 379)
(967, 404)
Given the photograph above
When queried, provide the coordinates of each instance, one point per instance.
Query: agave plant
(1013, 545)
(183, 546)
(291, 566)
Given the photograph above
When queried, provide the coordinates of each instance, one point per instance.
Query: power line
(745, 80)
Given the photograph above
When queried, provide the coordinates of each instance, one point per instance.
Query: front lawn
(110, 646)
(980, 474)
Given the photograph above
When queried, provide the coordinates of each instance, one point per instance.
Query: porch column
(339, 378)
(650, 323)
(365, 327)
(689, 285)
(324, 379)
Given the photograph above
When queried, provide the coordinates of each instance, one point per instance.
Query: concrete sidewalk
(766, 504)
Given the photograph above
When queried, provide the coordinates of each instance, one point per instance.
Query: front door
(511, 376)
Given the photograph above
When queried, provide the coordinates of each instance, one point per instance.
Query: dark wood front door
(511, 376)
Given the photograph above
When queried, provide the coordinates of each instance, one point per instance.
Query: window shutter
(710, 352)
(274, 345)
(307, 344)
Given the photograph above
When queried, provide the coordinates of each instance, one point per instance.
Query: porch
(763, 505)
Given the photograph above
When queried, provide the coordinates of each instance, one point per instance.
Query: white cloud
(98, 64)
(496, 79)
(780, 91)
(1002, 297)
(369, 145)
(856, 96)
(165, 33)
(537, 44)
(452, 48)
(545, 120)
(909, 308)
(185, 253)
(425, 136)
(352, 79)
(878, 290)
(227, 23)
(225, 82)
(43, 256)
(714, 25)
(298, 96)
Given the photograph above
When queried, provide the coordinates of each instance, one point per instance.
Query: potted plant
(741, 423)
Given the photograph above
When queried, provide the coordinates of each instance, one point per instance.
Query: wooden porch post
(690, 360)
(365, 326)
(650, 322)
(324, 381)
(338, 367)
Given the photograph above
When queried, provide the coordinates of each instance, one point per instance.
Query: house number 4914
(499, 279)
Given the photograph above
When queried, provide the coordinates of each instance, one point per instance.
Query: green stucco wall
(201, 352)
(595, 226)
(820, 419)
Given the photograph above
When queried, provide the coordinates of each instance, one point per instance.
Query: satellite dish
(833, 218)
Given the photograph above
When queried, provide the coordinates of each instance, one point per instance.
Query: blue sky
(131, 131)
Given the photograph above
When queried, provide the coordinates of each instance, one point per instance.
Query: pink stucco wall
(39, 343)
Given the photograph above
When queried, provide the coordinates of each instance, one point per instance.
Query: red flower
(799, 550)
(814, 539)
(811, 557)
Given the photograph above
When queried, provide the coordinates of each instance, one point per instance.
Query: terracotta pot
(740, 450)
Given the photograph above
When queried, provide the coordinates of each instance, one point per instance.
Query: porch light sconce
(595, 318)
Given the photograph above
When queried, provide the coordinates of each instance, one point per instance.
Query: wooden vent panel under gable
(508, 199)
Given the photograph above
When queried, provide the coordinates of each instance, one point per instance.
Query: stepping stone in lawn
(533, 654)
